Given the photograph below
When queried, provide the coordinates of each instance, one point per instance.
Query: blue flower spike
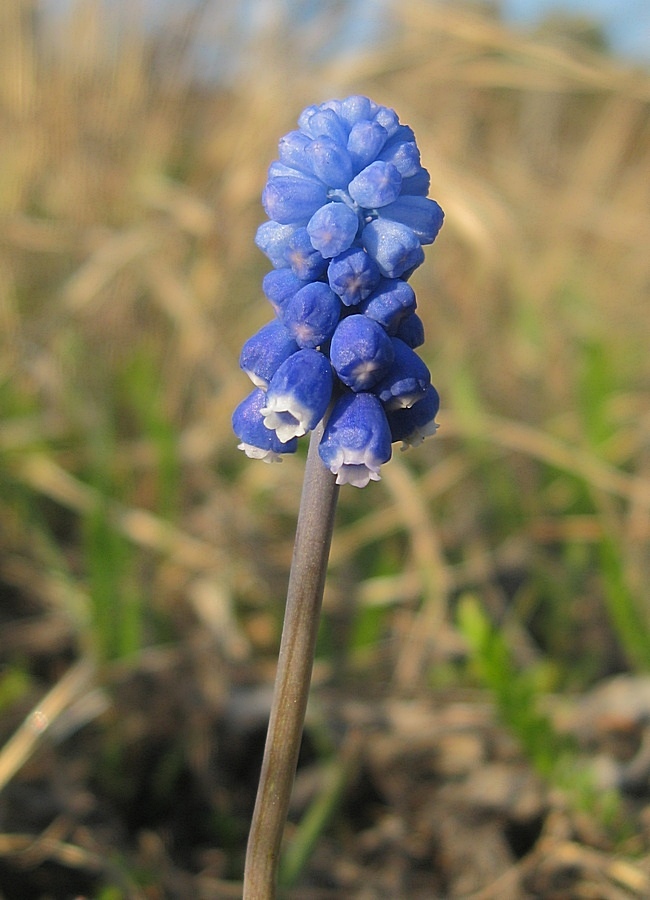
(348, 218)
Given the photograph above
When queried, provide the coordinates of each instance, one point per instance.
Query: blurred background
(481, 698)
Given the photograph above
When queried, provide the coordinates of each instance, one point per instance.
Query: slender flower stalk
(293, 676)
(348, 217)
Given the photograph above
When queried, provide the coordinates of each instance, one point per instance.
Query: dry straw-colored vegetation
(129, 198)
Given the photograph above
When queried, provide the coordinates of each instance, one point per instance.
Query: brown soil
(143, 777)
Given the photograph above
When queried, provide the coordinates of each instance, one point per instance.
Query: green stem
(293, 676)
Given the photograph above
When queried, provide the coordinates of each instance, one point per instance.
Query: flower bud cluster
(348, 217)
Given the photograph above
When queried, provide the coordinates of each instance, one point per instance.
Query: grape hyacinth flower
(360, 352)
(413, 424)
(264, 352)
(298, 395)
(258, 441)
(357, 439)
(348, 218)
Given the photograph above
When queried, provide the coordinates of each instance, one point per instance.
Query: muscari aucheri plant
(348, 215)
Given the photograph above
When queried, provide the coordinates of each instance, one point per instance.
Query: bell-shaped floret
(333, 228)
(417, 185)
(377, 185)
(273, 240)
(388, 119)
(411, 330)
(365, 140)
(312, 314)
(400, 134)
(293, 199)
(406, 381)
(324, 122)
(389, 303)
(395, 247)
(423, 216)
(357, 440)
(414, 424)
(306, 262)
(402, 152)
(279, 286)
(304, 118)
(265, 351)
(330, 161)
(361, 352)
(355, 109)
(292, 151)
(278, 169)
(335, 107)
(353, 275)
(258, 441)
(298, 395)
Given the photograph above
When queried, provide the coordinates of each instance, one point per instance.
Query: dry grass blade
(139, 525)
(26, 740)
(118, 251)
(429, 561)
(28, 851)
(546, 448)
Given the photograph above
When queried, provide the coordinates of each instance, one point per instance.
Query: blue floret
(357, 439)
(298, 395)
(280, 285)
(392, 301)
(353, 275)
(312, 314)
(411, 330)
(265, 351)
(406, 381)
(293, 199)
(258, 441)
(330, 161)
(422, 215)
(414, 424)
(395, 247)
(333, 228)
(377, 185)
(303, 258)
(361, 352)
